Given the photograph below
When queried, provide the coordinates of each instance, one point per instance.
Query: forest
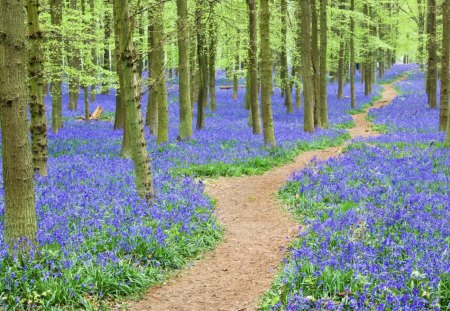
(225, 155)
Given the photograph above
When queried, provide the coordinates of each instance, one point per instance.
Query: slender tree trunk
(236, 66)
(185, 129)
(19, 209)
(74, 61)
(352, 56)
(193, 70)
(285, 83)
(308, 89)
(213, 29)
(323, 64)
(151, 119)
(266, 73)
(315, 61)
(119, 117)
(444, 99)
(106, 58)
(421, 26)
(432, 55)
(340, 72)
(253, 67)
(36, 83)
(163, 113)
(132, 99)
(202, 98)
(92, 24)
(56, 60)
(86, 102)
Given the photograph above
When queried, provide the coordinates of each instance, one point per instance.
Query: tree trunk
(151, 119)
(352, 56)
(340, 72)
(285, 83)
(308, 89)
(421, 32)
(75, 64)
(432, 46)
(119, 117)
(106, 58)
(36, 83)
(163, 113)
(236, 67)
(202, 98)
(323, 64)
(253, 67)
(213, 29)
(132, 99)
(315, 64)
(185, 129)
(444, 99)
(19, 209)
(56, 60)
(266, 73)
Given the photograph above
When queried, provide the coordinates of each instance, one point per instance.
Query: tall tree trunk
(19, 210)
(315, 64)
(444, 99)
(266, 73)
(253, 67)
(119, 117)
(213, 28)
(106, 58)
(202, 98)
(340, 72)
(56, 61)
(236, 66)
(323, 64)
(308, 89)
(421, 32)
(92, 24)
(36, 83)
(185, 129)
(132, 99)
(74, 61)
(285, 83)
(432, 55)
(163, 113)
(151, 119)
(352, 56)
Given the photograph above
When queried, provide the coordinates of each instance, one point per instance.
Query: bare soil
(257, 232)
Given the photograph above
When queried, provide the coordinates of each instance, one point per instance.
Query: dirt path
(257, 231)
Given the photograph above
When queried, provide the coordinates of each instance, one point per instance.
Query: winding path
(257, 232)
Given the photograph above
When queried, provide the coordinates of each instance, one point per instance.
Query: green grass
(365, 106)
(258, 165)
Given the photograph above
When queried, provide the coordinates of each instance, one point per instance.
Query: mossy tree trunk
(444, 99)
(56, 60)
(163, 113)
(266, 73)
(315, 64)
(284, 72)
(432, 55)
(323, 64)
(36, 83)
(19, 210)
(151, 118)
(212, 29)
(185, 129)
(202, 97)
(308, 89)
(74, 61)
(106, 59)
(253, 67)
(352, 56)
(132, 100)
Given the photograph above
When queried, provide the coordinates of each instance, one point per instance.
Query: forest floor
(257, 232)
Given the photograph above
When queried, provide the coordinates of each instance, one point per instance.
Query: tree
(212, 30)
(20, 213)
(56, 60)
(36, 83)
(315, 64)
(431, 46)
(185, 129)
(266, 73)
(352, 55)
(202, 98)
(323, 64)
(444, 99)
(151, 118)
(285, 83)
(132, 100)
(305, 49)
(253, 67)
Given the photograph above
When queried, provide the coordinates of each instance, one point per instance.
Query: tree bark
(266, 73)
(421, 32)
(432, 55)
(185, 129)
(315, 64)
(151, 119)
(213, 29)
(285, 83)
(56, 60)
(202, 98)
(75, 64)
(323, 64)
(444, 98)
(19, 210)
(132, 99)
(236, 66)
(36, 84)
(308, 89)
(352, 56)
(106, 58)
